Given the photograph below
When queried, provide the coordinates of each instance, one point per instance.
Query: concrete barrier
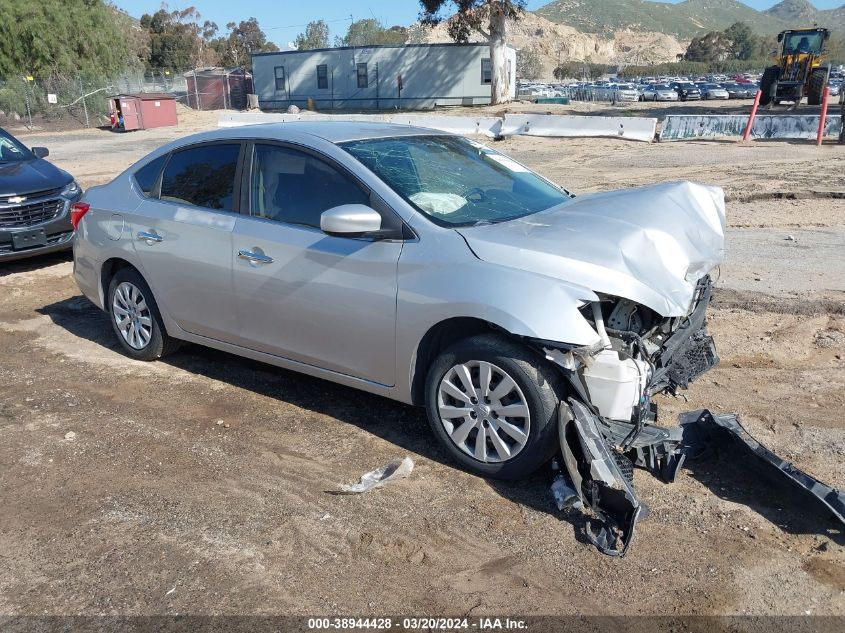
(677, 127)
(632, 128)
(487, 126)
(237, 119)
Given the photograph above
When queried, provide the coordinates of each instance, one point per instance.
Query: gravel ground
(199, 484)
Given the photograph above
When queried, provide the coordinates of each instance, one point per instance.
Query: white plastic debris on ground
(392, 471)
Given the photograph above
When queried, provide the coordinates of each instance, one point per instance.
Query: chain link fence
(588, 93)
(78, 101)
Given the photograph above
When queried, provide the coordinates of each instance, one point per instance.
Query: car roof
(332, 131)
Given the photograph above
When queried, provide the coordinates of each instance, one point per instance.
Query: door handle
(257, 258)
(149, 237)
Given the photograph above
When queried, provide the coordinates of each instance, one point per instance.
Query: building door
(130, 109)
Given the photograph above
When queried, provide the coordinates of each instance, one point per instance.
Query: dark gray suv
(35, 198)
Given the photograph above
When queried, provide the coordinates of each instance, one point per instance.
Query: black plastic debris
(599, 481)
(702, 429)
(598, 461)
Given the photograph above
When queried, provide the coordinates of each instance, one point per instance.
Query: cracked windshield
(456, 182)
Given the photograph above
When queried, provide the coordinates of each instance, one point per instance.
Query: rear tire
(131, 303)
(770, 77)
(530, 439)
(817, 84)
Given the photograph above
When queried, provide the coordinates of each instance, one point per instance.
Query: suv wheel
(135, 317)
(493, 405)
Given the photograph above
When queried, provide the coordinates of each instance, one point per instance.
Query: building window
(363, 78)
(486, 71)
(280, 78)
(322, 76)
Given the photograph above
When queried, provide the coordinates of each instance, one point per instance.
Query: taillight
(77, 210)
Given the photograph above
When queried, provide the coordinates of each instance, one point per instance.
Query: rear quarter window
(147, 176)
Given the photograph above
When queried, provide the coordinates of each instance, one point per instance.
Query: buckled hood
(650, 244)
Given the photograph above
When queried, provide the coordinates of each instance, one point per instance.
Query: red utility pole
(750, 123)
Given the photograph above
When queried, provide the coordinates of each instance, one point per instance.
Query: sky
(282, 20)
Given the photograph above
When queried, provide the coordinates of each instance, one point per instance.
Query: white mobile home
(414, 76)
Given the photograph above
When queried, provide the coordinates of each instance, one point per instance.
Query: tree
(246, 38)
(488, 17)
(528, 64)
(710, 47)
(62, 37)
(735, 42)
(743, 42)
(566, 70)
(316, 36)
(242, 40)
(370, 32)
(175, 42)
(417, 33)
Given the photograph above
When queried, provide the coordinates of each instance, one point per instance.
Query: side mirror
(780, 37)
(41, 152)
(350, 220)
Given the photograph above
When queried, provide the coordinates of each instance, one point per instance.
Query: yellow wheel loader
(801, 69)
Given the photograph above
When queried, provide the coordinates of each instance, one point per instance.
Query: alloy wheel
(483, 411)
(132, 315)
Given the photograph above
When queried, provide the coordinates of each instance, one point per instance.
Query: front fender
(519, 302)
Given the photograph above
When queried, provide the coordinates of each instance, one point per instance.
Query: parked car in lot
(35, 197)
(713, 91)
(625, 92)
(739, 91)
(413, 264)
(660, 92)
(686, 90)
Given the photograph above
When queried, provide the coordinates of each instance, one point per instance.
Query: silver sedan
(413, 264)
(659, 92)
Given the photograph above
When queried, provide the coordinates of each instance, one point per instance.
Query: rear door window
(203, 176)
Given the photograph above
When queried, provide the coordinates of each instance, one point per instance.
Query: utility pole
(352, 37)
(84, 105)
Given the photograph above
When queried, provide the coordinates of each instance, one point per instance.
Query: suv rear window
(147, 176)
(203, 176)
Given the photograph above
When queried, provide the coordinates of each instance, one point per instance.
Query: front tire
(818, 82)
(135, 318)
(493, 405)
(767, 81)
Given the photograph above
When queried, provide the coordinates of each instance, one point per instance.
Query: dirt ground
(200, 484)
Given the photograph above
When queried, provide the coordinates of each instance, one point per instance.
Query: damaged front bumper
(599, 448)
(600, 473)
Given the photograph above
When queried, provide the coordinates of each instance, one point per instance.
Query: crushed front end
(607, 425)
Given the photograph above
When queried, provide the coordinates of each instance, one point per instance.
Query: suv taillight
(77, 210)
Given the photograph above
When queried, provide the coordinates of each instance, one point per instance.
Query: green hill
(684, 19)
(802, 13)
